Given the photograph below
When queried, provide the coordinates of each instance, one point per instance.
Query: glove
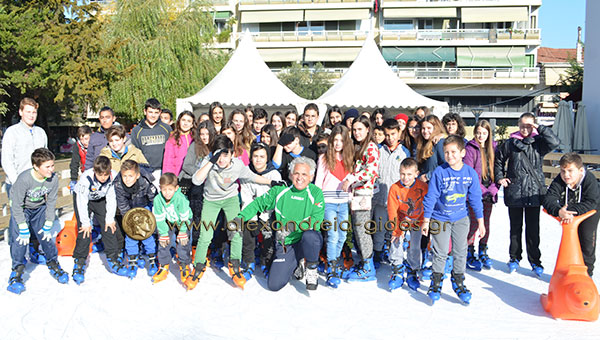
(286, 139)
(182, 238)
(23, 237)
(46, 231)
(215, 157)
(72, 186)
(276, 183)
(163, 241)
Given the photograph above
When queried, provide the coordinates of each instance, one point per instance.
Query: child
(258, 121)
(574, 192)
(178, 143)
(479, 154)
(134, 189)
(260, 165)
(219, 174)
(405, 209)
(379, 135)
(79, 154)
(445, 205)
(430, 151)
(95, 193)
(333, 167)
(118, 151)
(321, 142)
(173, 213)
(391, 153)
(454, 125)
(518, 168)
(33, 196)
(290, 146)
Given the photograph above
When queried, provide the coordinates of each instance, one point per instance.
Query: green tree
(164, 53)
(572, 80)
(305, 82)
(51, 51)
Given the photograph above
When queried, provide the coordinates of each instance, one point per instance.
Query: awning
(490, 57)
(222, 15)
(419, 54)
(281, 54)
(419, 13)
(331, 53)
(493, 14)
(336, 14)
(272, 16)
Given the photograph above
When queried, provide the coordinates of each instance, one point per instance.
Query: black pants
(287, 258)
(587, 238)
(194, 195)
(113, 242)
(532, 233)
(249, 245)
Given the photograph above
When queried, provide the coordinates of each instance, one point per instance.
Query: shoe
(459, 288)
(538, 270)
(116, 267)
(435, 289)
(300, 269)
(472, 262)
(236, 274)
(184, 271)
(56, 271)
(412, 280)
(79, 271)
(311, 277)
(248, 270)
(132, 266)
(486, 262)
(15, 281)
(192, 280)
(333, 274)
(397, 279)
(364, 272)
(513, 264)
(152, 265)
(35, 256)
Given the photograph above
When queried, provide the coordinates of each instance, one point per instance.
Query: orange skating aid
(236, 275)
(67, 238)
(572, 294)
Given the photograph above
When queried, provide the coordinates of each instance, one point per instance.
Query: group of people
(293, 198)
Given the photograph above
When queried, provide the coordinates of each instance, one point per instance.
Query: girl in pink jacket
(178, 143)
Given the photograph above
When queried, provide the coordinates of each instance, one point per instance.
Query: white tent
(245, 80)
(370, 83)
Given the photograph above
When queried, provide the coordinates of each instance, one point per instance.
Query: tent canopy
(370, 83)
(245, 80)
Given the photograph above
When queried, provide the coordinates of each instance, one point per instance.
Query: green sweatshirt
(290, 204)
(177, 211)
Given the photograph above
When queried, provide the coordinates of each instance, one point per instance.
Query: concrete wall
(591, 75)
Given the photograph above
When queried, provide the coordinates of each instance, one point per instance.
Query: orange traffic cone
(572, 294)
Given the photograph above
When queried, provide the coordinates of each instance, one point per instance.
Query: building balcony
(458, 3)
(309, 39)
(527, 75)
(460, 37)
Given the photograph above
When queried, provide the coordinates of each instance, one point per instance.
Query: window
(397, 25)
(425, 24)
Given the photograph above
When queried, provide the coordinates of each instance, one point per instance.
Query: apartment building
(473, 54)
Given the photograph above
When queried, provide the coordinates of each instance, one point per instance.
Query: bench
(552, 169)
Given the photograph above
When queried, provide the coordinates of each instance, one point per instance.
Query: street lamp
(477, 111)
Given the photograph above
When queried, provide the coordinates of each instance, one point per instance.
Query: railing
(490, 108)
(279, 2)
(460, 34)
(309, 36)
(467, 73)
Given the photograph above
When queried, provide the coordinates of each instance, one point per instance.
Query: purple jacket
(473, 159)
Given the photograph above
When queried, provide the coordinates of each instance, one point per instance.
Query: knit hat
(350, 113)
(401, 116)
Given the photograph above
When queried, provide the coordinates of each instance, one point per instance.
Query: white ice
(106, 306)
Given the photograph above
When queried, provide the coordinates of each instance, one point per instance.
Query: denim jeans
(336, 213)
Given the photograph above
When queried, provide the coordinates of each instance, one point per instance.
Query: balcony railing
(460, 34)
(280, 2)
(467, 73)
(309, 36)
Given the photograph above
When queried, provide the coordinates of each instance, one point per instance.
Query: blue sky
(559, 20)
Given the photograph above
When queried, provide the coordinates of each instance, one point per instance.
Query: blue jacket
(141, 195)
(449, 191)
(432, 162)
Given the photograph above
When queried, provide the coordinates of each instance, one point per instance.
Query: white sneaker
(311, 278)
(299, 271)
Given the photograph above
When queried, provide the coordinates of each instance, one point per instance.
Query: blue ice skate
(35, 256)
(435, 289)
(459, 288)
(486, 262)
(364, 272)
(538, 270)
(397, 279)
(513, 264)
(56, 271)
(79, 271)
(412, 280)
(15, 281)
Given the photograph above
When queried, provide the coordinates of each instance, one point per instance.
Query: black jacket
(140, 195)
(527, 187)
(582, 199)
